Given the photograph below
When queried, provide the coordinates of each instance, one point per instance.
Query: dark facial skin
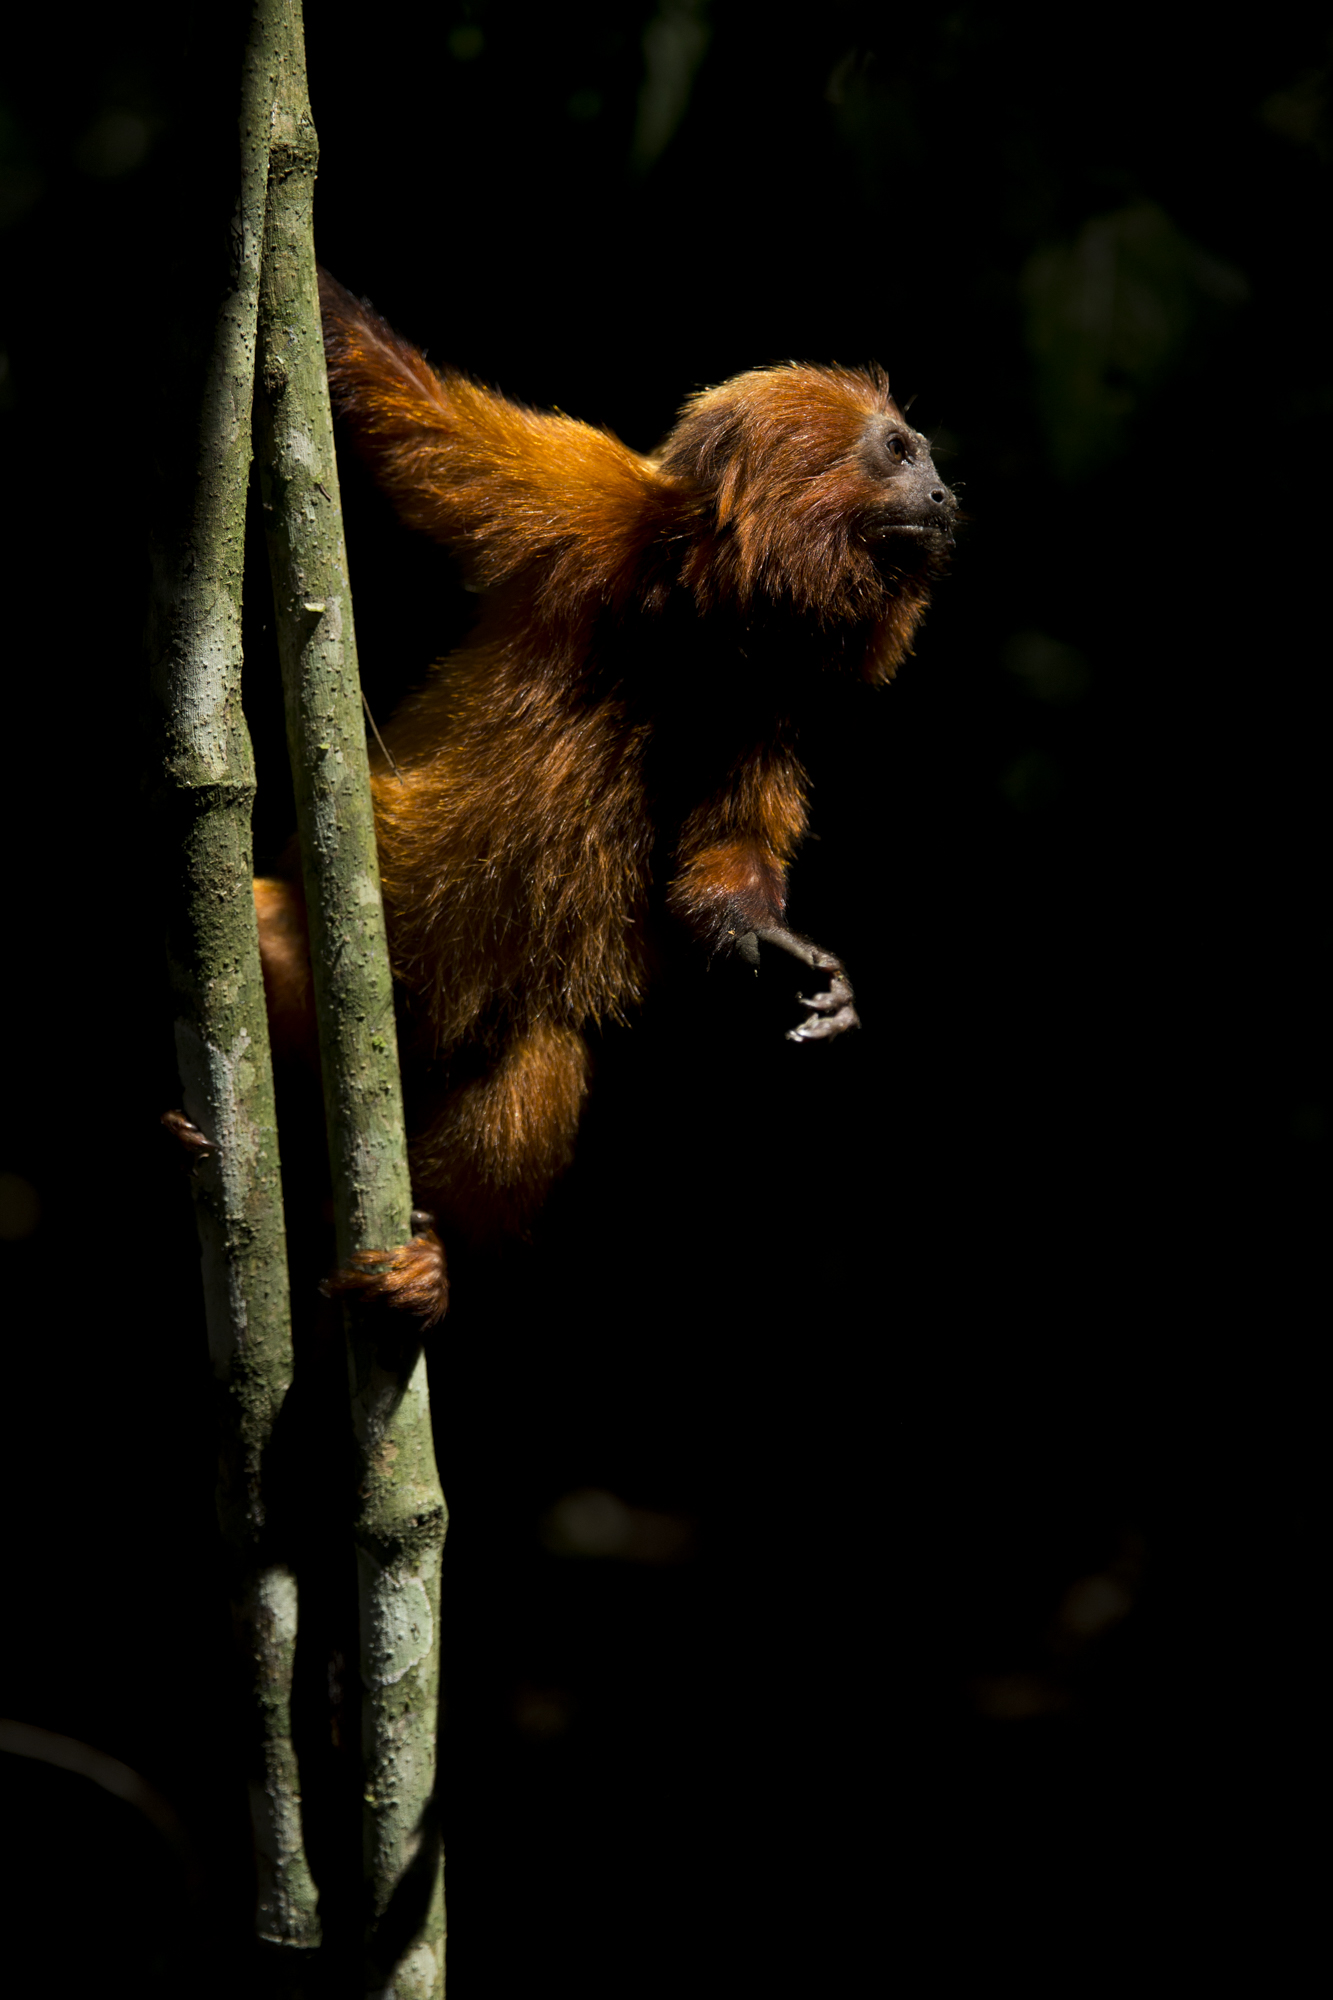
(913, 499)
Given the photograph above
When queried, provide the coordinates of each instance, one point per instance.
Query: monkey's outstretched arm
(504, 487)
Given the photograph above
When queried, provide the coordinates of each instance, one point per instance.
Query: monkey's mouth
(939, 533)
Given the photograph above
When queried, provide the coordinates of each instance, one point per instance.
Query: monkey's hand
(195, 1147)
(830, 1010)
(412, 1278)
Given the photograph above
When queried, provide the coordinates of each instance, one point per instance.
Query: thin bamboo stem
(205, 798)
(400, 1526)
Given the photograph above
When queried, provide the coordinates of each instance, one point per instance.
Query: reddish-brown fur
(617, 736)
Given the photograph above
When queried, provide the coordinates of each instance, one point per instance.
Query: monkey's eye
(896, 446)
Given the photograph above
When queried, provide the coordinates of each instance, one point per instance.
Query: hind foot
(413, 1278)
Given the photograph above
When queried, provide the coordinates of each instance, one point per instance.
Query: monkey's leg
(284, 954)
(485, 1162)
(488, 1157)
(832, 1010)
(412, 1275)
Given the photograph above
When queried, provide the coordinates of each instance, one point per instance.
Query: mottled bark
(204, 797)
(401, 1522)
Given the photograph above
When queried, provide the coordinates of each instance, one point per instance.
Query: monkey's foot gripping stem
(832, 1010)
(413, 1278)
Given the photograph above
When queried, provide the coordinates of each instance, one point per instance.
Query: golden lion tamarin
(616, 740)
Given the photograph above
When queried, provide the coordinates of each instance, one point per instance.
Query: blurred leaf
(1048, 669)
(1109, 316)
(674, 44)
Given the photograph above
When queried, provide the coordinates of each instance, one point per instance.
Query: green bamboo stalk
(204, 798)
(400, 1526)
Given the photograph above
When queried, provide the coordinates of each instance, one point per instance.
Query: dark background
(941, 1393)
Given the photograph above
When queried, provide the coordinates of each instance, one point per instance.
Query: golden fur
(616, 741)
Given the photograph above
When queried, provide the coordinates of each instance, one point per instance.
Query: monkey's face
(810, 488)
(906, 500)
